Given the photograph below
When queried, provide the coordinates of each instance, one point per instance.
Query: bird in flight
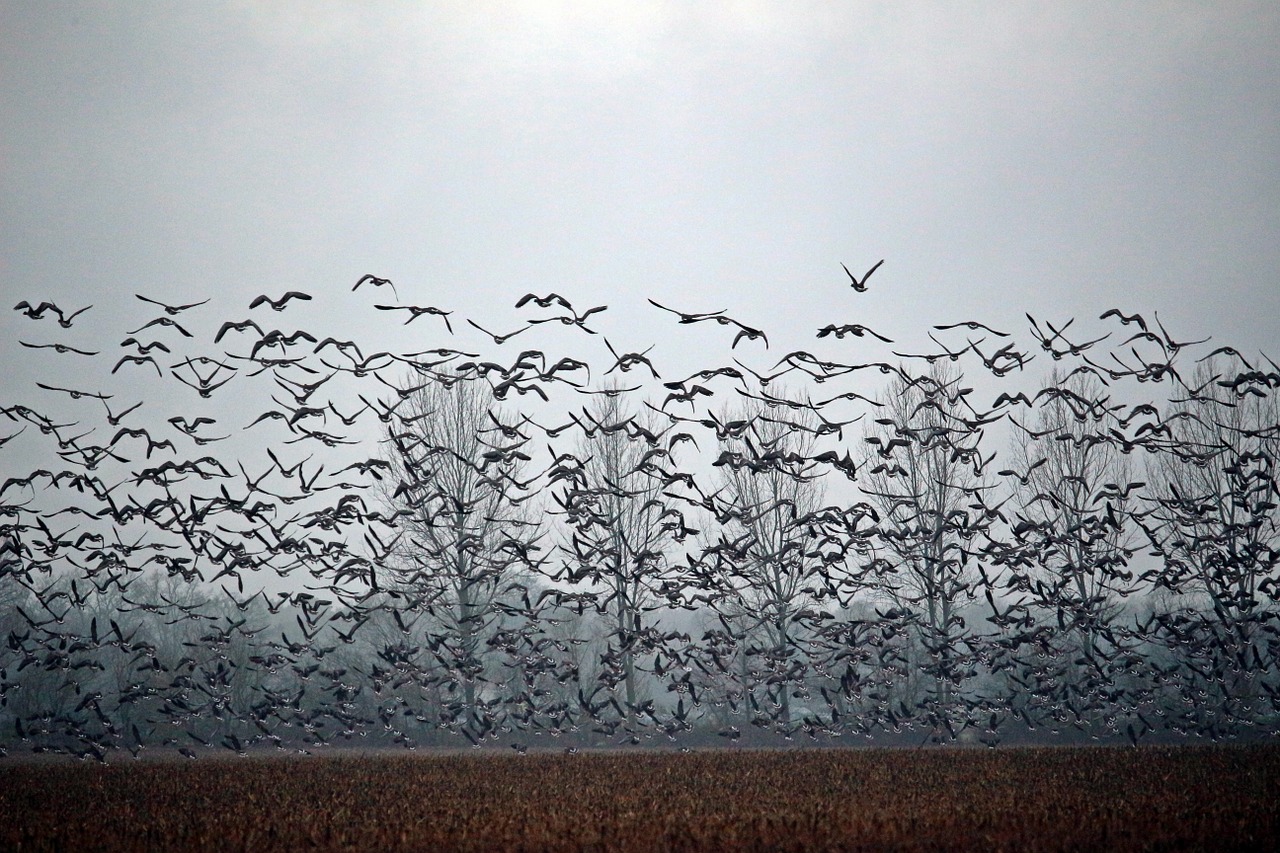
(114, 419)
(544, 301)
(861, 286)
(171, 310)
(376, 282)
(687, 318)
(417, 311)
(498, 339)
(972, 325)
(144, 348)
(576, 320)
(76, 395)
(718, 317)
(163, 321)
(139, 360)
(37, 313)
(279, 304)
(1170, 344)
(745, 332)
(628, 360)
(1125, 319)
(57, 348)
(241, 326)
(854, 329)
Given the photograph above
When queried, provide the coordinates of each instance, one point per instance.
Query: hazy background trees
(1072, 498)
(620, 528)
(923, 473)
(760, 569)
(1215, 528)
(467, 534)
(515, 569)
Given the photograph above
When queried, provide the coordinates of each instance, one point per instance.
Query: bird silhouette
(74, 394)
(115, 419)
(241, 326)
(37, 313)
(850, 329)
(627, 361)
(578, 320)
(498, 339)
(416, 311)
(138, 359)
(972, 325)
(172, 310)
(280, 303)
(544, 301)
(59, 348)
(164, 321)
(144, 349)
(744, 331)
(861, 285)
(376, 282)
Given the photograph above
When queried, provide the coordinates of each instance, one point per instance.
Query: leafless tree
(1214, 523)
(468, 532)
(1071, 539)
(1074, 490)
(923, 474)
(761, 569)
(621, 527)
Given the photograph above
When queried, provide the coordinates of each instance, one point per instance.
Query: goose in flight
(171, 310)
(857, 285)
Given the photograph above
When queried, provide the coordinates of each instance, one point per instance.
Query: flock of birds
(627, 563)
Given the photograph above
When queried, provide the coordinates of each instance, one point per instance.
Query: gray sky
(1054, 158)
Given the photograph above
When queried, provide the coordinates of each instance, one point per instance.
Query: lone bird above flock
(861, 286)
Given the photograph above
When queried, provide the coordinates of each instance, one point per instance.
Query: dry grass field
(1152, 798)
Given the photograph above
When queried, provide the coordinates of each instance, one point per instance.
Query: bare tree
(761, 569)
(621, 526)
(1073, 530)
(1214, 524)
(923, 475)
(468, 532)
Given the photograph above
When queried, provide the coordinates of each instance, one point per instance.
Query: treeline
(432, 548)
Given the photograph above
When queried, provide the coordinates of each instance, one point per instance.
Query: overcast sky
(1057, 158)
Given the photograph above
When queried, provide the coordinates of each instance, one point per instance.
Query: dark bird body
(282, 302)
(171, 310)
(861, 285)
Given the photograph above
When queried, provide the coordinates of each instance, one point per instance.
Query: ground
(1025, 799)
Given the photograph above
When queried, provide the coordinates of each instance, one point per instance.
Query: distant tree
(760, 571)
(13, 573)
(1214, 524)
(923, 475)
(467, 533)
(1073, 493)
(621, 527)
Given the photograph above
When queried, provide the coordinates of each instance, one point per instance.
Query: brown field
(1152, 798)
